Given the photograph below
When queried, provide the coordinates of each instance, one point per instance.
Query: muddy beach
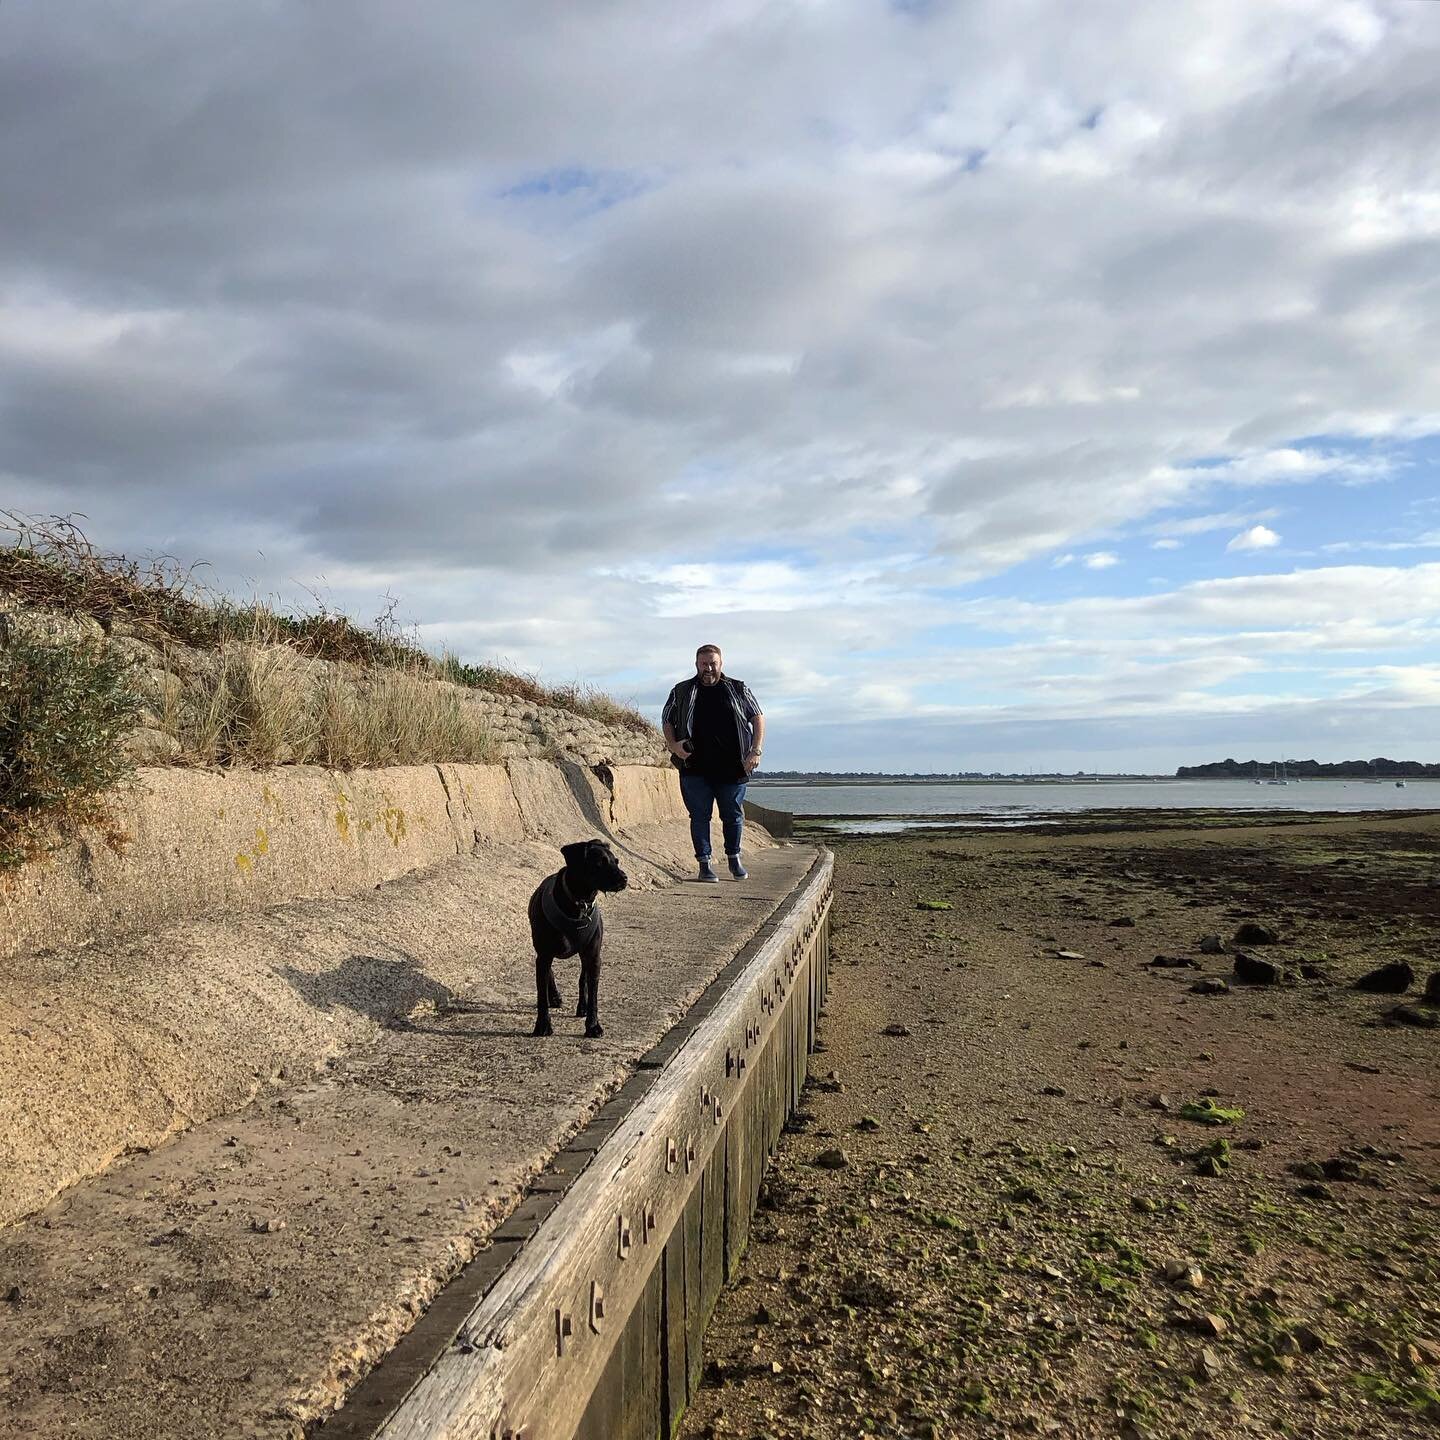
(1075, 1162)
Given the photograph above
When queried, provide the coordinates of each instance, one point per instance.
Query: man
(714, 729)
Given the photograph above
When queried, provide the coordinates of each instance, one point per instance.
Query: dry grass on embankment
(114, 647)
(258, 705)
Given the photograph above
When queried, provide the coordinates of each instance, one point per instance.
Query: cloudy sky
(1004, 383)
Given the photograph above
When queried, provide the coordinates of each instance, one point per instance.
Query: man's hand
(751, 761)
(683, 749)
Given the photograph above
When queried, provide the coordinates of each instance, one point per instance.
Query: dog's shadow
(384, 990)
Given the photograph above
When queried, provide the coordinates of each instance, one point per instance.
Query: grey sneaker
(706, 873)
(737, 870)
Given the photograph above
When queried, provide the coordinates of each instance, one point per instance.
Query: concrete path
(239, 1280)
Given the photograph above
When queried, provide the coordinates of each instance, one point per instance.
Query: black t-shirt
(715, 736)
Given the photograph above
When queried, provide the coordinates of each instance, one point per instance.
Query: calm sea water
(910, 806)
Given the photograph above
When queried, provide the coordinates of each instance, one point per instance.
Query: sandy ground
(994, 1215)
(237, 1281)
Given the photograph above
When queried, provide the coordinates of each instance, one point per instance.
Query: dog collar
(578, 929)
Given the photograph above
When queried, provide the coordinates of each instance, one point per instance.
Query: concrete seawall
(196, 841)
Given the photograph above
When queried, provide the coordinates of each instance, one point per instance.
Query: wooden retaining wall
(780, 823)
(584, 1319)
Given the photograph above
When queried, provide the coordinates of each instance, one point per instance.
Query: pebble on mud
(1207, 1365)
(1424, 1017)
(833, 1159)
(1183, 1275)
(1392, 979)
(1210, 985)
(1252, 932)
(1251, 971)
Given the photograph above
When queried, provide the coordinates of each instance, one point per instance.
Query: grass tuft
(263, 705)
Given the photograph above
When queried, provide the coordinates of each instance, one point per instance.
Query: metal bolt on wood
(597, 1306)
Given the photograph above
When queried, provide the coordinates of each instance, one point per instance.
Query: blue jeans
(701, 796)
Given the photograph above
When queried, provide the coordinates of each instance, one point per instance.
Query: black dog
(565, 920)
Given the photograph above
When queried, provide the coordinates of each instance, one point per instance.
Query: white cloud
(1257, 537)
(1430, 540)
(1100, 560)
(1165, 543)
(1222, 520)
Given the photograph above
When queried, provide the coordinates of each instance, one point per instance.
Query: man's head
(707, 664)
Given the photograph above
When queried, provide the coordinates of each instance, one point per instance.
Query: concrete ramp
(194, 842)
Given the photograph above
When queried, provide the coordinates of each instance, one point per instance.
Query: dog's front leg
(590, 990)
(582, 1005)
(544, 980)
(555, 1000)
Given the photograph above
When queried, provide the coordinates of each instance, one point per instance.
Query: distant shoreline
(823, 781)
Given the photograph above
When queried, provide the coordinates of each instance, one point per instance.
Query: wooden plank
(712, 1236)
(674, 1375)
(785, 1100)
(695, 1316)
(640, 1348)
(772, 1109)
(606, 1405)
(799, 1053)
(738, 1163)
(802, 1054)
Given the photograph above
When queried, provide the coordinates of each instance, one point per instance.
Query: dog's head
(591, 865)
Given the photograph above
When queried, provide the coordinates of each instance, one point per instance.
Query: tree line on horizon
(1379, 768)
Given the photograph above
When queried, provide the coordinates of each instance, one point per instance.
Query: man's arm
(671, 707)
(756, 745)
